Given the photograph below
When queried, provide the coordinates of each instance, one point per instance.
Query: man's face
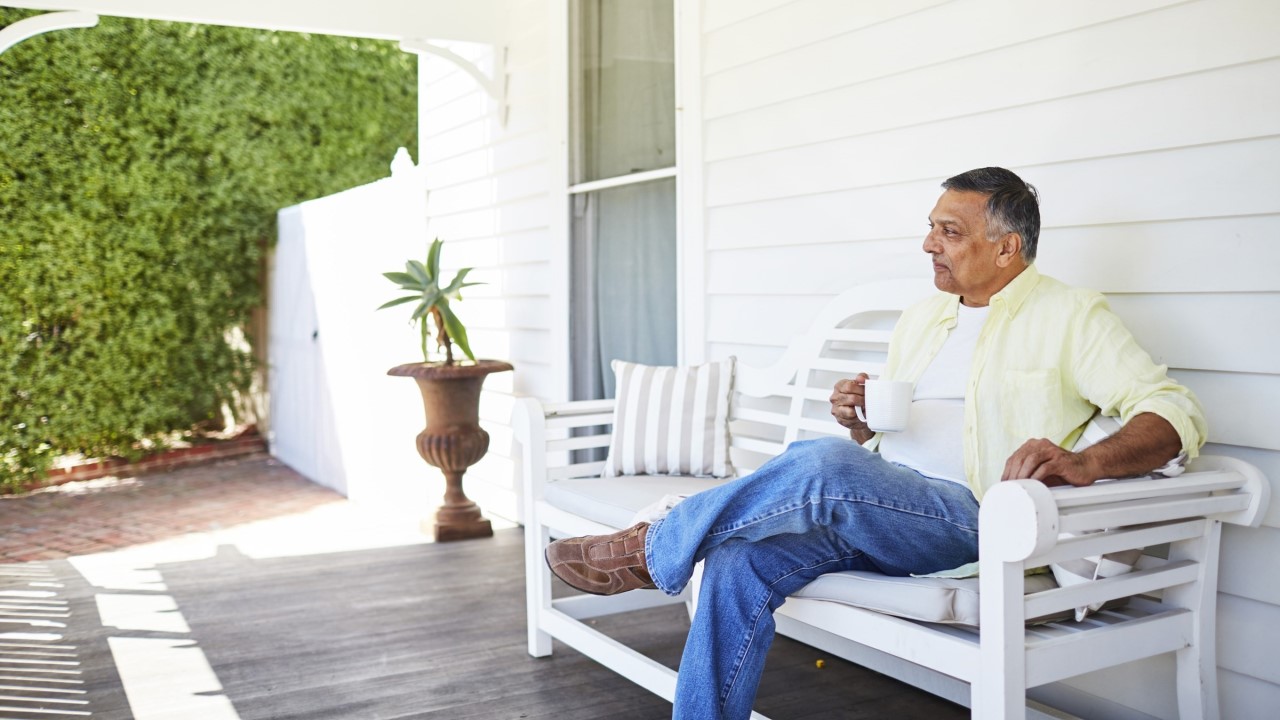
(964, 260)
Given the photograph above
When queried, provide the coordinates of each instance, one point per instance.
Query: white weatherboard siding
(814, 136)
(1152, 129)
(487, 174)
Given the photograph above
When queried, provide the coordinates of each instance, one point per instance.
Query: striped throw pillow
(671, 420)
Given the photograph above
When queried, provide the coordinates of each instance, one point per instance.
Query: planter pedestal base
(453, 439)
(446, 532)
(458, 518)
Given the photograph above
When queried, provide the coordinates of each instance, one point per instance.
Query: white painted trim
(30, 27)
(558, 178)
(495, 86)
(624, 180)
(472, 21)
(689, 263)
(691, 273)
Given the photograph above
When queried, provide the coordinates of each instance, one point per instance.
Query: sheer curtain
(623, 298)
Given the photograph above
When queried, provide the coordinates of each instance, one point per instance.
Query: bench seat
(615, 501)
(922, 631)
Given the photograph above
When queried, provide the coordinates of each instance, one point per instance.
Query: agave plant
(423, 280)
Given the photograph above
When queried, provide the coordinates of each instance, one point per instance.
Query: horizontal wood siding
(486, 173)
(1151, 128)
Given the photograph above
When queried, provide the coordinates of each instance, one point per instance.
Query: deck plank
(434, 631)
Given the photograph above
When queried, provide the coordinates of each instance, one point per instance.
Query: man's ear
(1010, 249)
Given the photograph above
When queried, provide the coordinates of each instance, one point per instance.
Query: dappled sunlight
(135, 605)
(92, 516)
(40, 669)
(84, 487)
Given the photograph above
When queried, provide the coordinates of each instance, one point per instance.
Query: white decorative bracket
(495, 87)
(30, 27)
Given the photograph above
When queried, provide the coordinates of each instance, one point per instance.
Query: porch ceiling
(473, 20)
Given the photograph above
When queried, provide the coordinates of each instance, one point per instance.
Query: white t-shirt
(933, 443)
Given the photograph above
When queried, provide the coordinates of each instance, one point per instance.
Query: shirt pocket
(1031, 404)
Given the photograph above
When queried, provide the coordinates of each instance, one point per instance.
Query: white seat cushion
(614, 501)
(939, 600)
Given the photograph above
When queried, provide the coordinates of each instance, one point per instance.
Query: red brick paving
(114, 512)
(246, 444)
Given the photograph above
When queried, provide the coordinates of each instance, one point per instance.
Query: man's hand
(850, 394)
(1145, 443)
(1042, 460)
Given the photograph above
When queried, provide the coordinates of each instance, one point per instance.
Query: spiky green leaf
(399, 301)
(433, 258)
(457, 283)
(453, 326)
(419, 272)
(402, 279)
(429, 299)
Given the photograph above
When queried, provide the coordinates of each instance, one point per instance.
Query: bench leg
(537, 579)
(1000, 692)
(1198, 664)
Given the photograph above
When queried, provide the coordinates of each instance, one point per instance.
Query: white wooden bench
(1173, 591)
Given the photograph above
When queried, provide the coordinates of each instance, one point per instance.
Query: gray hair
(1012, 204)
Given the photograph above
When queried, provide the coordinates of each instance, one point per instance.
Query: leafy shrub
(141, 167)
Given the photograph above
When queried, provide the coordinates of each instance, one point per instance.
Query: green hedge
(141, 167)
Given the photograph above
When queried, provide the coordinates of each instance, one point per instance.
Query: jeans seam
(745, 647)
(813, 501)
(755, 620)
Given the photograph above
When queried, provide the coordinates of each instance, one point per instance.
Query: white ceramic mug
(888, 405)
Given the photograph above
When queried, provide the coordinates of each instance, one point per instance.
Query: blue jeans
(822, 506)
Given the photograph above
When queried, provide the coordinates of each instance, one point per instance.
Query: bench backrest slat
(787, 401)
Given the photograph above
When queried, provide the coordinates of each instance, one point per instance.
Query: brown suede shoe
(602, 564)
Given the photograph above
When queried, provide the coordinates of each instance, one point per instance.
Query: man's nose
(931, 244)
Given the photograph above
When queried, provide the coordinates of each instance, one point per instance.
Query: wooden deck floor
(419, 631)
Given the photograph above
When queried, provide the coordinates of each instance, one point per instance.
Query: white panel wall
(337, 417)
(1151, 127)
(487, 173)
(814, 136)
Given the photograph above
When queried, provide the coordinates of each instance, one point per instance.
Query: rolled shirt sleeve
(1114, 373)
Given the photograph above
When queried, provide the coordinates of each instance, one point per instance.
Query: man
(1007, 365)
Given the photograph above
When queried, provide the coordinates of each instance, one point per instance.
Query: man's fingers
(853, 386)
(847, 395)
(1044, 461)
(1026, 468)
(1026, 460)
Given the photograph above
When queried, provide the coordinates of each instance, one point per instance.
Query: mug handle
(857, 410)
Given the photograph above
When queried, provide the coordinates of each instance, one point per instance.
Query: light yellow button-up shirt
(1049, 357)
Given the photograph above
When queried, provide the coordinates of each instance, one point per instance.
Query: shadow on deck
(239, 590)
(416, 631)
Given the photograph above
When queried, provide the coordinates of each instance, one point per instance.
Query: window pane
(624, 112)
(624, 296)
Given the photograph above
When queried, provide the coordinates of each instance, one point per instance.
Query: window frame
(687, 171)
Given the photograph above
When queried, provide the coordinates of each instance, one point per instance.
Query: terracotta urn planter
(453, 439)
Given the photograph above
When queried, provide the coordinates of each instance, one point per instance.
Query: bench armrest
(1022, 519)
(545, 434)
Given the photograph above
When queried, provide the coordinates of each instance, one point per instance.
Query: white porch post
(30, 27)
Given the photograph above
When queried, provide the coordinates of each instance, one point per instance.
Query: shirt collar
(1011, 296)
(1018, 289)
